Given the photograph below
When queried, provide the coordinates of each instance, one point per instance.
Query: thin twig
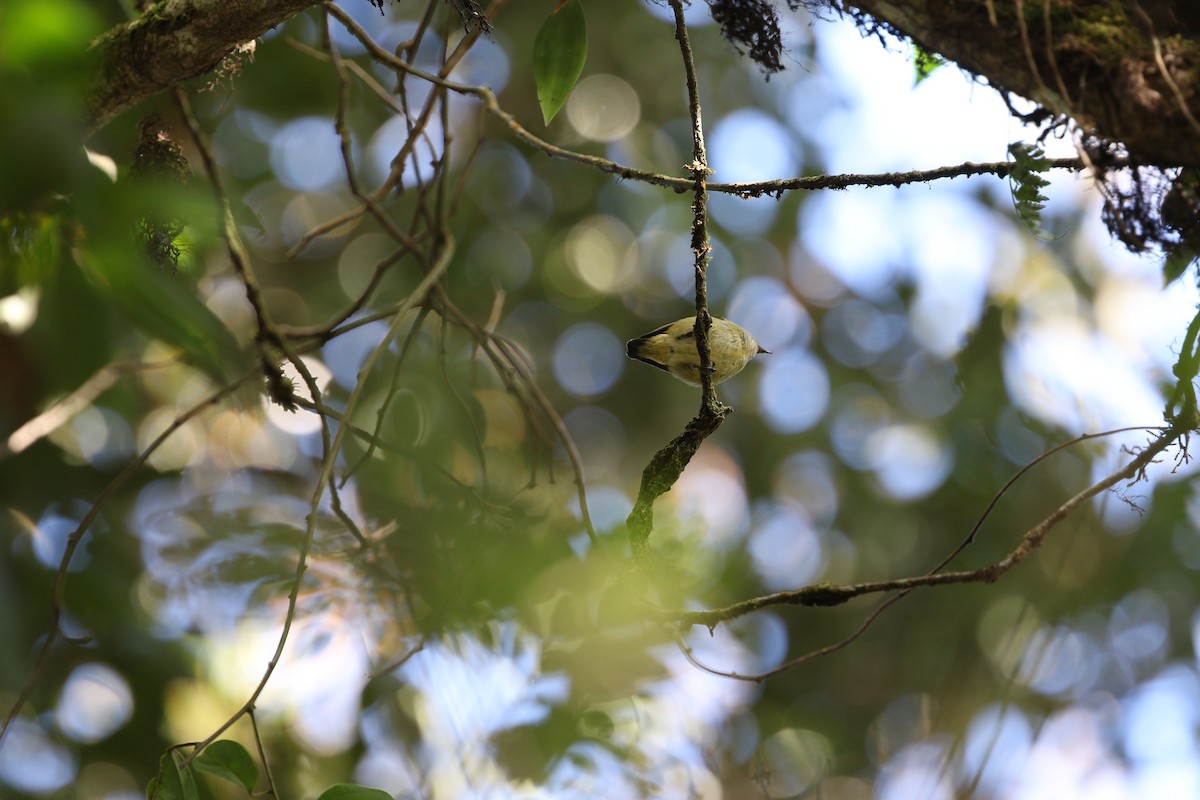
(401, 661)
(837, 594)
(668, 464)
(262, 754)
(1016, 476)
(1162, 68)
(1027, 47)
(324, 479)
(58, 601)
(64, 409)
(381, 414)
(680, 184)
(826, 595)
(1052, 60)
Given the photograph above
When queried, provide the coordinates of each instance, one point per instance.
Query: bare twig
(266, 336)
(63, 410)
(58, 602)
(1052, 59)
(836, 594)
(1016, 476)
(396, 663)
(1180, 100)
(667, 464)
(679, 184)
(700, 246)
(1026, 46)
(325, 478)
(262, 754)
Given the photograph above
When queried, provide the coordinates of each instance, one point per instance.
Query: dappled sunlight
(320, 679)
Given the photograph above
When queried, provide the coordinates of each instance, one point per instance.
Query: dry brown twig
(837, 594)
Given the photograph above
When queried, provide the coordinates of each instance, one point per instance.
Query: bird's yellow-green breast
(672, 348)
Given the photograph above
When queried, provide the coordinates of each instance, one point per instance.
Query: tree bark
(174, 41)
(1125, 71)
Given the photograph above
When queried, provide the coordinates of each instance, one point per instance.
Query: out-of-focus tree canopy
(321, 455)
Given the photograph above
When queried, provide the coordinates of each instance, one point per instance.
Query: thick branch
(174, 41)
(1126, 71)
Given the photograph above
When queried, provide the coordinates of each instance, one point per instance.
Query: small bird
(673, 348)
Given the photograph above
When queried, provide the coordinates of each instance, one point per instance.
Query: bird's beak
(760, 350)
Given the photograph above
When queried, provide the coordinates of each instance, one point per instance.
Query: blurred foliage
(456, 631)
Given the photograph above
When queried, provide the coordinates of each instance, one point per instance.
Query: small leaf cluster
(1026, 182)
(925, 62)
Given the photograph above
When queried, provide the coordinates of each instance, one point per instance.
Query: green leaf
(925, 62)
(1176, 263)
(174, 780)
(1026, 184)
(558, 56)
(228, 760)
(351, 791)
(165, 307)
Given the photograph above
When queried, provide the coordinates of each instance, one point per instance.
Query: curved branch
(827, 594)
(174, 41)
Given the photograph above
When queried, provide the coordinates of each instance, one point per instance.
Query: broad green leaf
(228, 760)
(174, 780)
(558, 55)
(925, 62)
(351, 791)
(165, 307)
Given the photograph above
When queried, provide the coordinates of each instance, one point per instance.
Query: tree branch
(1125, 71)
(827, 594)
(174, 41)
(668, 463)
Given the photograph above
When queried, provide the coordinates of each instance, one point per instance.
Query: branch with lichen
(828, 594)
(668, 463)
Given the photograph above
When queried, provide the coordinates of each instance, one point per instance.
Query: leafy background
(924, 346)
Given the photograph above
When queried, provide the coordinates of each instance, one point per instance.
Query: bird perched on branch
(672, 348)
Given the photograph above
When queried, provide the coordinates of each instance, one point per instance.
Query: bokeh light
(908, 460)
(94, 703)
(786, 550)
(31, 761)
(588, 359)
(603, 108)
(793, 390)
(306, 156)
